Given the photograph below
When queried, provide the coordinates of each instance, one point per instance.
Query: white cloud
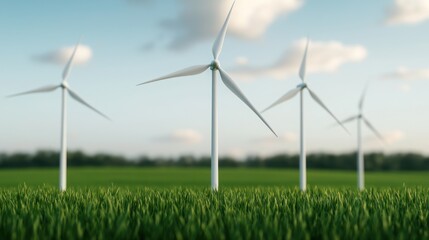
(288, 137)
(405, 88)
(322, 57)
(61, 56)
(201, 20)
(185, 136)
(237, 153)
(393, 136)
(404, 73)
(408, 12)
(241, 61)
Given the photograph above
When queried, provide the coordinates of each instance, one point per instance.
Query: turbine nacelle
(301, 86)
(64, 85)
(215, 65)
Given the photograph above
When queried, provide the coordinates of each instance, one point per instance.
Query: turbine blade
(227, 80)
(48, 88)
(218, 44)
(349, 119)
(289, 95)
(80, 100)
(317, 99)
(69, 64)
(372, 128)
(194, 70)
(345, 121)
(303, 68)
(362, 99)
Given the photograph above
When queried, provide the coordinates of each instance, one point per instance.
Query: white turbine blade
(194, 70)
(227, 80)
(372, 128)
(303, 68)
(362, 99)
(317, 99)
(218, 44)
(346, 121)
(69, 64)
(349, 119)
(289, 95)
(80, 100)
(48, 88)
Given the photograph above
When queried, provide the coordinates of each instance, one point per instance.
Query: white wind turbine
(65, 89)
(227, 80)
(289, 95)
(360, 157)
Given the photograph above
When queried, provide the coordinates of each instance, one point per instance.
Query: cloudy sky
(126, 42)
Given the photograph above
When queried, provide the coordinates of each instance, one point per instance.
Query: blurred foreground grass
(199, 213)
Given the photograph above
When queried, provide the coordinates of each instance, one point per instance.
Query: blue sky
(384, 42)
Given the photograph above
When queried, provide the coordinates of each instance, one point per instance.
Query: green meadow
(200, 177)
(177, 203)
(199, 213)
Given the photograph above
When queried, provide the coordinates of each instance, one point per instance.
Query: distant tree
(373, 161)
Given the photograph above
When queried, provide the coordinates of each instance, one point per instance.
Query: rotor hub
(302, 85)
(214, 65)
(64, 85)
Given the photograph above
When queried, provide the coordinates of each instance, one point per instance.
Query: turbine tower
(65, 89)
(360, 156)
(289, 95)
(229, 83)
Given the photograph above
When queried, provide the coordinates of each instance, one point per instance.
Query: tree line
(373, 161)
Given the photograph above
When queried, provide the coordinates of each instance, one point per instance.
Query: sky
(126, 42)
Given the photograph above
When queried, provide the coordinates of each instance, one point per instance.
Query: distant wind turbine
(227, 80)
(360, 157)
(65, 89)
(289, 95)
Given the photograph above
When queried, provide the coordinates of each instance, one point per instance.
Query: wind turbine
(289, 95)
(65, 89)
(229, 83)
(360, 157)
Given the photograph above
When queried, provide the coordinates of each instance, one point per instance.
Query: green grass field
(200, 177)
(197, 213)
(177, 203)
